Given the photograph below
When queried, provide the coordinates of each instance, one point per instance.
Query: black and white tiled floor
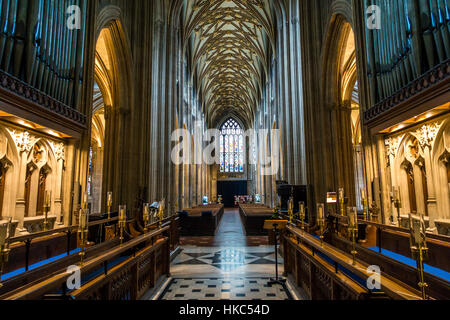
(224, 289)
(226, 261)
(225, 273)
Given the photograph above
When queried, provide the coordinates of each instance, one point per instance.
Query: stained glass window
(231, 147)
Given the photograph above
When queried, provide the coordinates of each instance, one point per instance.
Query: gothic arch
(339, 78)
(113, 75)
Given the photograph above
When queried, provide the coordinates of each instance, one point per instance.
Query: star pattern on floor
(227, 259)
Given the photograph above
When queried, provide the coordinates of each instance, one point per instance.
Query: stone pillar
(426, 136)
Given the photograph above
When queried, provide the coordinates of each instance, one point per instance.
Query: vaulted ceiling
(230, 43)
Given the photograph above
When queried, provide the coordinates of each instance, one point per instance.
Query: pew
(253, 217)
(45, 268)
(201, 221)
(110, 271)
(325, 272)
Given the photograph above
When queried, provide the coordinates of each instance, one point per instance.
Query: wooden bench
(201, 221)
(253, 217)
(143, 261)
(317, 269)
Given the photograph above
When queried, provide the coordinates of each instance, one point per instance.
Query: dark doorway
(229, 189)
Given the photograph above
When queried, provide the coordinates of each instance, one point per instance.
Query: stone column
(427, 135)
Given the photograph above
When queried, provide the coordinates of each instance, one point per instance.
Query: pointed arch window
(231, 147)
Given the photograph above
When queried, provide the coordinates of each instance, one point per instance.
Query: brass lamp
(47, 207)
(5, 235)
(321, 220)
(83, 230)
(109, 204)
(302, 213)
(122, 221)
(352, 214)
(419, 249)
(146, 216)
(341, 194)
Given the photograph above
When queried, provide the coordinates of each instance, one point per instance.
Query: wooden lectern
(276, 226)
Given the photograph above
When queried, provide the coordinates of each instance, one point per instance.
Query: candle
(321, 210)
(110, 194)
(363, 195)
(122, 213)
(341, 194)
(301, 206)
(85, 200)
(353, 217)
(417, 232)
(48, 196)
(83, 219)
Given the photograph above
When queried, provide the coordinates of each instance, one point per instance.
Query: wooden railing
(21, 246)
(118, 283)
(322, 280)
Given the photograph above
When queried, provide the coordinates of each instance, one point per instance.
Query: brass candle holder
(352, 214)
(302, 214)
(5, 236)
(146, 216)
(341, 194)
(122, 221)
(109, 204)
(291, 210)
(321, 221)
(364, 203)
(419, 249)
(83, 230)
(161, 212)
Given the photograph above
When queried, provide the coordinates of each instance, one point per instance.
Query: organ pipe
(37, 47)
(414, 38)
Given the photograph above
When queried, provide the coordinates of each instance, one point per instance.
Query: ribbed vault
(231, 43)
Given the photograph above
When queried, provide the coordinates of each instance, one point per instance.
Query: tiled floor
(226, 268)
(229, 234)
(224, 289)
(226, 262)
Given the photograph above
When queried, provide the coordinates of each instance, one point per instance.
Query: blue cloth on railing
(37, 265)
(101, 270)
(406, 260)
(347, 272)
